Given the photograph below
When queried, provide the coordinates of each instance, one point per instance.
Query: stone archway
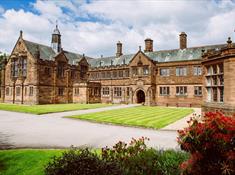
(140, 96)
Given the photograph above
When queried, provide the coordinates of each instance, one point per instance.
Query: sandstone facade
(38, 74)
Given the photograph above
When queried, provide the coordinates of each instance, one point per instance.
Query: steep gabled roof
(47, 53)
(193, 53)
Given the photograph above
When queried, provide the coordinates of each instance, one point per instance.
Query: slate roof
(47, 53)
(107, 61)
(193, 53)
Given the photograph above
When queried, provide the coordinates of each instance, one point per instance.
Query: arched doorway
(140, 96)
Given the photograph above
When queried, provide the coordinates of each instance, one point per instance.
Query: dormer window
(101, 63)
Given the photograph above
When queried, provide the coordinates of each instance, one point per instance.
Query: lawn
(50, 108)
(33, 162)
(143, 116)
(25, 162)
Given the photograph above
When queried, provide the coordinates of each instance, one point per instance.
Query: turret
(56, 40)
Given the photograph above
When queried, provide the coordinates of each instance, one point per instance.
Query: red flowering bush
(211, 143)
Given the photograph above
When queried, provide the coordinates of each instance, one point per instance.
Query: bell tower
(56, 40)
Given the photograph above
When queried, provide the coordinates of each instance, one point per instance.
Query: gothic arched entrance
(140, 96)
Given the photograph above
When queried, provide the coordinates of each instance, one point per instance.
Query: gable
(83, 61)
(140, 59)
(19, 47)
(61, 58)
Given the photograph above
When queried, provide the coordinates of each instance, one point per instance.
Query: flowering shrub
(211, 144)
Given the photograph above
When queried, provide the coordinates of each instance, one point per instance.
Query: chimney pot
(148, 45)
(119, 49)
(183, 40)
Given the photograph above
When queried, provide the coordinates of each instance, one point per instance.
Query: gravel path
(19, 130)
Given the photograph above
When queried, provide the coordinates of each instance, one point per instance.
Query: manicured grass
(33, 162)
(25, 162)
(143, 116)
(44, 109)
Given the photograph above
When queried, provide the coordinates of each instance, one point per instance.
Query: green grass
(33, 162)
(50, 108)
(143, 116)
(25, 162)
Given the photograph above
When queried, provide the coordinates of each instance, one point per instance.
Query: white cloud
(106, 22)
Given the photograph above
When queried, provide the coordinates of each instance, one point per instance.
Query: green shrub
(81, 162)
(134, 158)
(1, 166)
(122, 159)
(168, 162)
(137, 159)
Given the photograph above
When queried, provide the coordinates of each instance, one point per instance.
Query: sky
(94, 27)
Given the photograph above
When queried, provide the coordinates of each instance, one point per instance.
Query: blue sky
(16, 4)
(94, 27)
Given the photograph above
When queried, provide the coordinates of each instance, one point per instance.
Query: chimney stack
(119, 49)
(148, 45)
(183, 40)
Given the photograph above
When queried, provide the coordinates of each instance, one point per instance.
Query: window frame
(145, 70)
(60, 91)
(198, 91)
(118, 91)
(181, 71)
(164, 90)
(76, 91)
(197, 70)
(31, 89)
(105, 91)
(164, 72)
(18, 91)
(181, 91)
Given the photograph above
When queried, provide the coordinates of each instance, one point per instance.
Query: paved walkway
(182, 123)
(20, 130)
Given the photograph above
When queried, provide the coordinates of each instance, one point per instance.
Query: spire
(56, 30)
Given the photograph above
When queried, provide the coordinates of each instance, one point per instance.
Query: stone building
(219, 79)
(39, 74)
